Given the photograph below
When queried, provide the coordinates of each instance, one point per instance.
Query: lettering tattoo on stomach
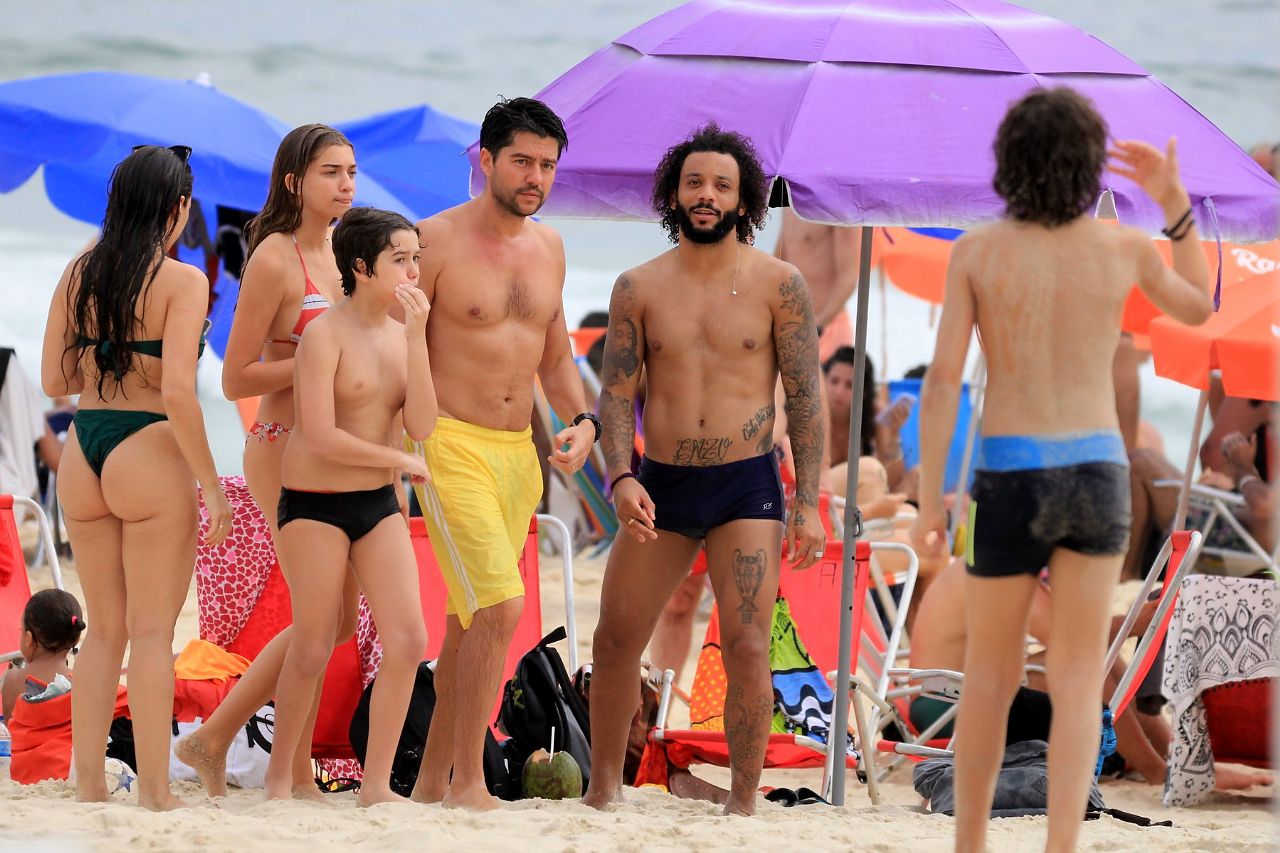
(701, 451)
(758, 420)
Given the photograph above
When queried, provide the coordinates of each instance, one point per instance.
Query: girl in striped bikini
(290, 278)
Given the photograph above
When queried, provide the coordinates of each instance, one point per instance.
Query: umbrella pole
(1184, 494)
(852, 519)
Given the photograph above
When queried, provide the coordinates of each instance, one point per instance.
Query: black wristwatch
(588, 416)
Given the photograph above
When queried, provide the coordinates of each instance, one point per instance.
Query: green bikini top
(153, 348)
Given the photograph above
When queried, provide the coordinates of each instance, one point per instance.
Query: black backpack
(498, 779)
(540, 697)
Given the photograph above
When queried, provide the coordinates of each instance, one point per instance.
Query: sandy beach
(46, 816)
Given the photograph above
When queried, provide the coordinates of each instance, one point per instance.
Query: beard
(723, 226)
(510, 201)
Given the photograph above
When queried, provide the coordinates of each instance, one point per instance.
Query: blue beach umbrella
(418, 153)
(80, 125)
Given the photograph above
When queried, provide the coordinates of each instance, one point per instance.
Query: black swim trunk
(354, 513)
(692, 499)
(1034, 494)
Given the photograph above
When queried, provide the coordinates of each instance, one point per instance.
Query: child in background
(37, 698)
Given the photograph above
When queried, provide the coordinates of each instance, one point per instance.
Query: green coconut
(552, 777)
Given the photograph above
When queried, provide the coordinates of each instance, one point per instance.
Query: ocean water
(330, 60)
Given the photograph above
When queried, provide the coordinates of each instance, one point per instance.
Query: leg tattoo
(748, 574)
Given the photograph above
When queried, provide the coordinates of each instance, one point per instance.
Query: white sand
(46, 816)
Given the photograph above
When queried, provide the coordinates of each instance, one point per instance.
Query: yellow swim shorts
(485, 486)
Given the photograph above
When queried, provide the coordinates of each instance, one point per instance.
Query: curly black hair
(1050, 151)
(753, 186)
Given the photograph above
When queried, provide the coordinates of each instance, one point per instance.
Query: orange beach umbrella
(1241, 339)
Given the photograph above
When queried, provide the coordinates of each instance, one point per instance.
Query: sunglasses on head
(182, 152)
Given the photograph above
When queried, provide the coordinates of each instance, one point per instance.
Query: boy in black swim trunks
(1046, 287)
(358, 375)
(714, 322)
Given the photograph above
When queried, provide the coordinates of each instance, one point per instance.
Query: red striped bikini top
(313, 302)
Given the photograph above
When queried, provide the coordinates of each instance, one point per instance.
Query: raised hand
(416, 310)
(1156, 173)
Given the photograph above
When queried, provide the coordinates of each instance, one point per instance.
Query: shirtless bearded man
(494, 278)
(713, 322)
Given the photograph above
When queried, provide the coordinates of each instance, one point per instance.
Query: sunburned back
(710, 361)
(139, 389)
(493, 300)
(1048, 307)
(368, 391)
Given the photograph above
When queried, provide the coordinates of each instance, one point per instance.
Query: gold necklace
(737, 263)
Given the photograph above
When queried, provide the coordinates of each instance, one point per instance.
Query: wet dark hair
(753, 190)
(55, 620)
(283, 211)
(848, 355)
(116, 274)
(512, 115)
(361, 235)
(1050, 151)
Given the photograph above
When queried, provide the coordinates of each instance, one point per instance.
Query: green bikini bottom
(100, 431)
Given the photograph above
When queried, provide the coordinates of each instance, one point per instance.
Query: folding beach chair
(813, 599)
(15, 584)
(1174, 561)
(1219, 508)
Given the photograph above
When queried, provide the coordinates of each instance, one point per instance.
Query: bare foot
(1235, 777)
(167, 803)
(686, 786)
(428, 795)
(601, 799)
(278, 790)
(92, 795)
(477, 799)
(745, 807)
(369, 796)
(210, 764)
(307, 791)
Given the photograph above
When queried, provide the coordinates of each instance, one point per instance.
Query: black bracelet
(1172, 229)
(618, 479)
(595, 422)
(1191, 223)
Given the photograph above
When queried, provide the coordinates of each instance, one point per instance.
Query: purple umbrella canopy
(874, 112)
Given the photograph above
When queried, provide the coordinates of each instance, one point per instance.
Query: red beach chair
(15, 584)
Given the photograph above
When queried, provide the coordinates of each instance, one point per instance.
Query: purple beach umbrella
(871, 113)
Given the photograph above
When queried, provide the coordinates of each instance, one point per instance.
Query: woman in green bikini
(124, 333)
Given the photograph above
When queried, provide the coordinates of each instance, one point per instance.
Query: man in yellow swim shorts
(494, 278)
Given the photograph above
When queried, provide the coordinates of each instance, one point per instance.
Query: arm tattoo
(701, 451)
(621, 352)
(622, 361)
(796, 342)
(759, 419)
(748, 574)
(618, 430)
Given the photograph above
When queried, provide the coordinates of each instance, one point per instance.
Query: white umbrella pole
(852, 522)
(1184, 495)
